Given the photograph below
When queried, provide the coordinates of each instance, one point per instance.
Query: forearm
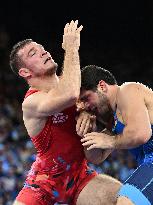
(127, 140)
(97, 156)
(68, 89)
(94, 156)
(71, 78)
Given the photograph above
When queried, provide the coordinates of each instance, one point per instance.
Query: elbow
(145, 136)
(76, 94)
(97, 162)
(73, 97)
(70, 101)
(142, 136)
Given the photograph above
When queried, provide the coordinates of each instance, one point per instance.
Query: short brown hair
(15, 60)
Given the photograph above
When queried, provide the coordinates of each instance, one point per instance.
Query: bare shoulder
(134, 87)
(31, 102)
(131, 88)
(131, 92)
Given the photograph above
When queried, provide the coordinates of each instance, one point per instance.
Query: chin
(51, 70)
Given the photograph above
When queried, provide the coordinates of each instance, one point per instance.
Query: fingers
(93, 123)
(66, 28)
(87, 127)
(90, 142)
(72, 27)
(92, 147)
(84, 123)
(82, 126)
(86, 139)
(80, 106)
(91, 134)
(78, 124)
(71, 37)
(79, 29)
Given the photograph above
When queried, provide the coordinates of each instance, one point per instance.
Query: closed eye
(33, 53)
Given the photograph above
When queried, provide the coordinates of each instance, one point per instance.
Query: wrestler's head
(95, 90)
(29, 60)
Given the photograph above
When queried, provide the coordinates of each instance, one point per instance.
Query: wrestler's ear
(102, 86)
(24, 72)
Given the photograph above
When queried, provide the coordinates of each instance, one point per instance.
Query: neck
(44, 83)
(113, 96)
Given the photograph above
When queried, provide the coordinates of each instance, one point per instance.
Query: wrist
(113, 142)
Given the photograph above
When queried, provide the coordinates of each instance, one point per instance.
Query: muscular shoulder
(131, 88)
(32, 101)
(32, 98)
(130, 92)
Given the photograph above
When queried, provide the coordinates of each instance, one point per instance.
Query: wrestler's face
(36, 60)
(96, 102)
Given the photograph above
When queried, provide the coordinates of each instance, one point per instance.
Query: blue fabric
(143, 153)
(139, 186)
(142, 179)
(134, 194)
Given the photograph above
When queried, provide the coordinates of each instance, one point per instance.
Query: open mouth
(48, 59)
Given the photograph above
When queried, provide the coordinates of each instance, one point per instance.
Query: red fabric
(30, 92)
(60, 170)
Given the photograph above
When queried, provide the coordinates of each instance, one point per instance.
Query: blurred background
(117, 35)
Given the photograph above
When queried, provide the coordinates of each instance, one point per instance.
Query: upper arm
(41, 104)
(133, 108)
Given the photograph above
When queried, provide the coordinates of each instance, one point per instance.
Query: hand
(71, 37)
(85, 123)
(80, 106)
(98, 140)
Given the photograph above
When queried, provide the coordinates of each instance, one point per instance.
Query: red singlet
(60, 171)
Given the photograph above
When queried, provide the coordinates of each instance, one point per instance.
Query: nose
(43, 53)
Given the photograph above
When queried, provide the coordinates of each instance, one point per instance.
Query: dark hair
(15, 60)
(92, 74)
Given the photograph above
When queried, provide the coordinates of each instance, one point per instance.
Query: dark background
(117, 35)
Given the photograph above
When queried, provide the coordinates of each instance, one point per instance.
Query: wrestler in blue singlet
(139, 186)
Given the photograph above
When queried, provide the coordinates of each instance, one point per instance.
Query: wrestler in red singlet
(60, 171)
